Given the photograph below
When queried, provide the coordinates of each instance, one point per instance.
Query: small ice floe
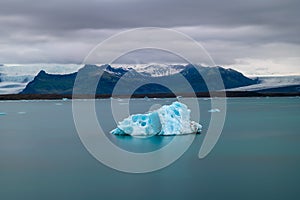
(171, 119)
(65, 99)
(123, 103)
(147, 98)
(2, 113)
(214, 110)
(21, 113)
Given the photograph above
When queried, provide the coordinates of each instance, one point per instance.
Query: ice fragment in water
(214, 110)
(171, 119)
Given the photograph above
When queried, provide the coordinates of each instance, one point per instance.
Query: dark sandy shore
(164, 95)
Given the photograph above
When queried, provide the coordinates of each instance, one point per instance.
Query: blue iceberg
(171, 119)
(2, 113)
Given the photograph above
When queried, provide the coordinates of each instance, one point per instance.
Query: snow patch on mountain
(154, 70)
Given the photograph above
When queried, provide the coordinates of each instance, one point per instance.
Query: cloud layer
(257, 37)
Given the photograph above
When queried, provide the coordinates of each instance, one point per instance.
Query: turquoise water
(257, 156)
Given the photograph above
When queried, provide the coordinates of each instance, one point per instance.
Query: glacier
(171, 119)
(14, 78)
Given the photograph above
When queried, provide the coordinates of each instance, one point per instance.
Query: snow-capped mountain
(110, 76)
(154, 70)
(13, 79)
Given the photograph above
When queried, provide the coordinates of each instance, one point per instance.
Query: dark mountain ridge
(45, 83)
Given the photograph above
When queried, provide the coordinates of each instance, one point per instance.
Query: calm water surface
(257, 156)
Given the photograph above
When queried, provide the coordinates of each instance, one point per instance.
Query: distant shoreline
(164, 95)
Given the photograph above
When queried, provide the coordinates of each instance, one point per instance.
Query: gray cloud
(69, 14)
(64, 31)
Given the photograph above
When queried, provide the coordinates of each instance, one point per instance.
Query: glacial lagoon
(256, 157)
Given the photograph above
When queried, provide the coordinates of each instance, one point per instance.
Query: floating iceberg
(21, 113)
(171, 119)
(214, 110)
(2, 113)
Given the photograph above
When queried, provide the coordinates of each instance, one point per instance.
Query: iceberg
(214, 110)
(171, 119)
(21, 113)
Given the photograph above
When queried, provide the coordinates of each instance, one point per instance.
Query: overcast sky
(257, 37)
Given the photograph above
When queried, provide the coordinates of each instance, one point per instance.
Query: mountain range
(45, 83)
